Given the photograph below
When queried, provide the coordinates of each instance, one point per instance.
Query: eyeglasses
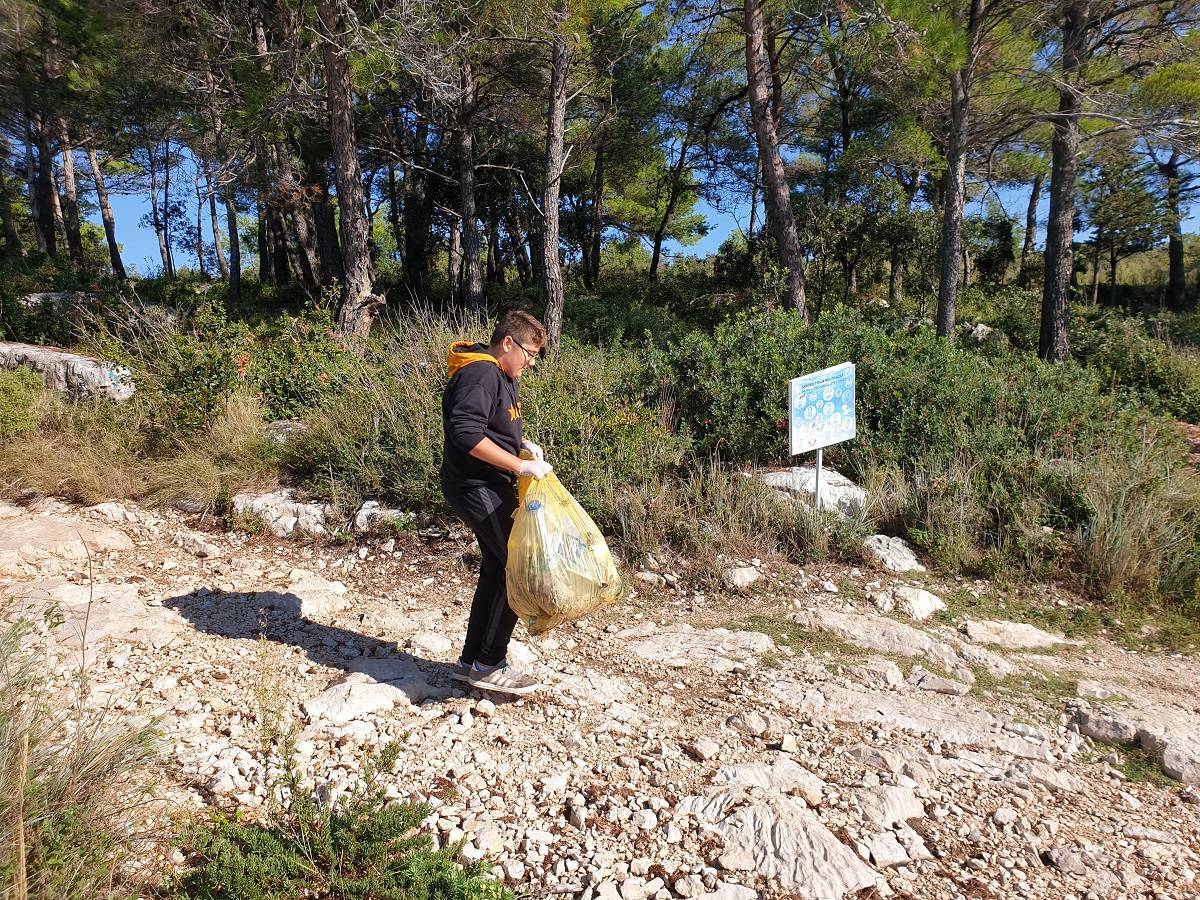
(531, 358)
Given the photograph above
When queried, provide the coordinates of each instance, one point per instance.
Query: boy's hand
(533, 448)
(536, 468)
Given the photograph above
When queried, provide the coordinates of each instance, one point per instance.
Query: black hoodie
(480, 401)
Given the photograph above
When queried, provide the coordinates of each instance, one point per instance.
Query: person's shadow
(278, 616)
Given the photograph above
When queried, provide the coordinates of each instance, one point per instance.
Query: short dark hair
(521, 327)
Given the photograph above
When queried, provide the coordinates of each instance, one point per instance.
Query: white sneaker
(503, 680)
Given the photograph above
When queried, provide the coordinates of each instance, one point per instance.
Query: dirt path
(675, 751)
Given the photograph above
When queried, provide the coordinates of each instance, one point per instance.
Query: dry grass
(92, 451)
(1143, 534)
(234, 454)
(711, 513)
(72, 783)
(84, 451)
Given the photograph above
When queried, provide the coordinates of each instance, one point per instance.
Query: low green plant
(1142, 766)
(20, 390)
(358, 845)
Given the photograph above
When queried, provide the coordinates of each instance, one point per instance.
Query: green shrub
(19, 390)
(1125, 358)
(189, 361)
(381, 437)
(358, 845)
(981, 454)
(361, 848)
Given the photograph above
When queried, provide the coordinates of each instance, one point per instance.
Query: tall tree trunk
(266, 259)
(222, 262)
(952, 252)
(1054, 342)
(520, 252)
(73, 226)
(369, 215)
(316, 178)
(1176, 277)
(1035, 197)
(472, 285)
(200, 224)
(1113, 259)
(228, 192)
(896, 277)
(660, 233)
(754, 189)
(360, 303)
(166, 213)
(47, 191)
(394, 212)
(31, 183)
(777, 196)
(291, 194)
(492, 270)
(454, 258)
(418, 213)
(1095, 293)
(156, 219)
(106, 214)
(235, 247)
(591, 256)
(556, 117)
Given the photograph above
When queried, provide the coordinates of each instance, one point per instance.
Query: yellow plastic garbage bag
(559, 565)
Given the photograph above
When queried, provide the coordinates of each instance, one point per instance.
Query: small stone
(750, 723)
(704, 749)
(1004, 816)
(740, 578)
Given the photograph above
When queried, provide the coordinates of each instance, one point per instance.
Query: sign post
(821, 413)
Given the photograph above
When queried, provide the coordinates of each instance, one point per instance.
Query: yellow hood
(461, 355)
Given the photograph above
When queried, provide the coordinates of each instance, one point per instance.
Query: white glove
(535, 468)
(538, 453)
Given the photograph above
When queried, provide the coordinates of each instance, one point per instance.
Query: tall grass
(72, 778)
(95, 450)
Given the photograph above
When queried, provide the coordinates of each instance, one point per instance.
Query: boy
(481, 421)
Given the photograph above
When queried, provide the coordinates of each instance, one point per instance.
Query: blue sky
(139, 247)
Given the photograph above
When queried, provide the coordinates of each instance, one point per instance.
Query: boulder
(838, 493)
(741, 577)
(1012, 635)
(70, 373)
(371, 517)
(782, 840)
(282, 513)
(892, 554)
(916, 603)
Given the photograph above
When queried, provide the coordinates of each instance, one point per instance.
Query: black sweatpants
(489, 512)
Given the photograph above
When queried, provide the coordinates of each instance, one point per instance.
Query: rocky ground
(780, 739)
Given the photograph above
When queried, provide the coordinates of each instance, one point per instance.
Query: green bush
(381, 437)
(362, 848)
(19, 389)
(188, 362)
(1118, 349)
(982, 454)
